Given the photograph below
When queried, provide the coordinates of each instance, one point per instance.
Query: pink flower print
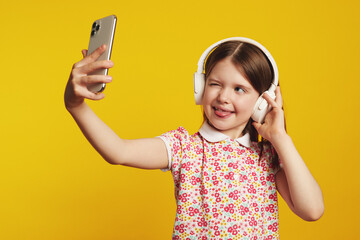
(270, 178)
(179, 211)
(231, 176)
(242, 210)
(255, 206)
(251, 189)
(193, 180)
(234, 195)
(182, 178)
(242, 178)
(273, 227)
(253, 222)
(183, 197)
(270, 208)
(273, 197)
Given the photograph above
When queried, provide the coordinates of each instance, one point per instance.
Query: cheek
(247, 105)
(208, 96)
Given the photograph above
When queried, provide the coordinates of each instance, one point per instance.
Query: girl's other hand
(76, 89)
(274, 125)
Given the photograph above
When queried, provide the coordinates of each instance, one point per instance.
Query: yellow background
(53, 185)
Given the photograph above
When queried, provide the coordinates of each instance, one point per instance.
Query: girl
(226, 180)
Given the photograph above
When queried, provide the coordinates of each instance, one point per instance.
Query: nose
(224, 96)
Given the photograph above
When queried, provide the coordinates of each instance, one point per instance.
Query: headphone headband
(201, 62)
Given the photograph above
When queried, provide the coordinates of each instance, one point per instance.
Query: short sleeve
(174, 141)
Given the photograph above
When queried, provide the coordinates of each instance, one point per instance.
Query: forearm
(146, 153)
(305, 193)
(100, 136)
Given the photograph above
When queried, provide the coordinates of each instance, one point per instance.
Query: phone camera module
(95, 28)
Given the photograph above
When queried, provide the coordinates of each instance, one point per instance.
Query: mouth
(222, 113)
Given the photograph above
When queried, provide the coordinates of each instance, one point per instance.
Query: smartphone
(102, 32)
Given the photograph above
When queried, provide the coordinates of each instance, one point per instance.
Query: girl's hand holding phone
(76, 89)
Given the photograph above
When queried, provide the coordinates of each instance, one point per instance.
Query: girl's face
(229, 99)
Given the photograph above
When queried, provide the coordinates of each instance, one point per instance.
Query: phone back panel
(102, 32)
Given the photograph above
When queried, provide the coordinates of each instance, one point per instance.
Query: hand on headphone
(274, 125)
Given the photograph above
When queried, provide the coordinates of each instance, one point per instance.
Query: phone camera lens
(93, 33)
(94, 25)
(97, 27)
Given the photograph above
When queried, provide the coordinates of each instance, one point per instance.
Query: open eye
(239, 90)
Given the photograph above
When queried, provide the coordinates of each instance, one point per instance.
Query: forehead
(226, 70)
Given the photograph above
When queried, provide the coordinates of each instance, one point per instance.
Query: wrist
(279, 139)
(73, 108)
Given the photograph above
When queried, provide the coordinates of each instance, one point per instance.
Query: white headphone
(261, 106)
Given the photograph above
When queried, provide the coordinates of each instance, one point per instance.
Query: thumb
(84, 52)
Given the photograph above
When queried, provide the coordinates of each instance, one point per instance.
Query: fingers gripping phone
(102, 32)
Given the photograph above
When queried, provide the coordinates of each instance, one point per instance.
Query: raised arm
(149, 153)
(294, 181)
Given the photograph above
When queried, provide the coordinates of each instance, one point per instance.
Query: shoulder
(266, 154)
(260, 148)
(180, 135)
(178, 143)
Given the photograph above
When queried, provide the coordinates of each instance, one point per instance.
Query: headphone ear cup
(199, 87)
(262, 107)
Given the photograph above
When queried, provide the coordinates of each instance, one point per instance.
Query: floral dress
(222, 190)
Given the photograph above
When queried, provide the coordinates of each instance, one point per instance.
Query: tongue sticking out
(222, 113)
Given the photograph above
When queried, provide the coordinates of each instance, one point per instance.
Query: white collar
(213, 135)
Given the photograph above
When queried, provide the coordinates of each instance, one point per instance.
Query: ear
(199, 87)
